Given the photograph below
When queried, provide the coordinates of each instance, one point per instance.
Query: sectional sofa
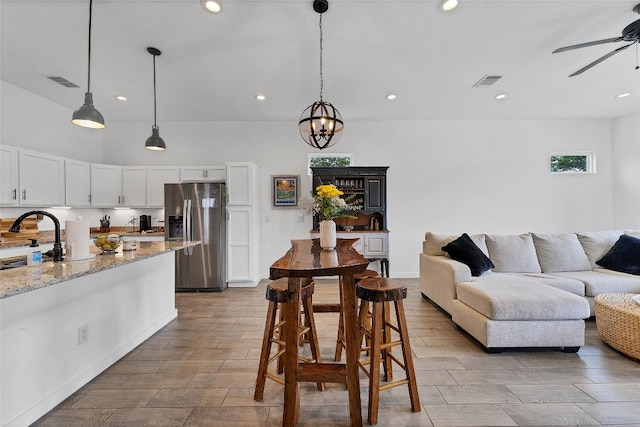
(527, 290)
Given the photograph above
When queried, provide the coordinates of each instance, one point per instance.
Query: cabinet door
(77, 183)
(239, 184)
(374, 187)
(8, 176)
(157, 177)
(192, 173)
(41, 179)
(134, 186)
(239, 249)
(215, 173)
(376, 245)
(106, 185)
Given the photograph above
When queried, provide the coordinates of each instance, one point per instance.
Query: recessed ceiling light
(121, 98)
(501, 96)
(391, 96)
(448, 5)
(212, 6)
(261, 97)
(623, 95)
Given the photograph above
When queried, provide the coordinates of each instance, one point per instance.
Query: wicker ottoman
(618, 322)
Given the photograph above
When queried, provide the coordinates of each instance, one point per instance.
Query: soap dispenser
(34, 255)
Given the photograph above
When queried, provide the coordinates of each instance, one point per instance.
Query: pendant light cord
(154, 92)
(89, 61)
(321, 78)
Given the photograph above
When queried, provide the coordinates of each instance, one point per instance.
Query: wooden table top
(306, 259)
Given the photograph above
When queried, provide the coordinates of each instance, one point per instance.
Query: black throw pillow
(624, 256)
(465, 251)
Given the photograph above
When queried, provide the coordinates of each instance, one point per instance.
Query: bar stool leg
(310, 322)
(374, 365)
(408, 358)
(386, 337)
(266, 350)
(340, 340)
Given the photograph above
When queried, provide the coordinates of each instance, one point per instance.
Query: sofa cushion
(465, 251)
(624, 256)
(433, 243)
(564, 283)
(597, 243)
(513, 254)
(521, 299)
(560, 252)
(601, 281)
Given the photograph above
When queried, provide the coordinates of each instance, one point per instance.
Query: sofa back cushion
(560, 252)
(433, 243)
(513, 253)
(597, 243)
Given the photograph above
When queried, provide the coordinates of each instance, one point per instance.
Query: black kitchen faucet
(57, 246)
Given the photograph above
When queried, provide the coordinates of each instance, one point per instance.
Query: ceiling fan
(630, 33)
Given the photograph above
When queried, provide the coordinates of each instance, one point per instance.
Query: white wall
(626, 171)
(30, 121)
(444, 176)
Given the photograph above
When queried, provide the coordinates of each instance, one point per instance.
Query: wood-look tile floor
(200, 370)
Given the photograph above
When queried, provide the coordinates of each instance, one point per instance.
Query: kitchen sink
(13, 264)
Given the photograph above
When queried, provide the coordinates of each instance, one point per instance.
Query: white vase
(327, 235)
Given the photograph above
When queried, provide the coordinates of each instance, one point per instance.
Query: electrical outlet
(83, 334)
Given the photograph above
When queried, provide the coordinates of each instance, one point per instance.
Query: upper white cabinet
(8, 176)
(241, 182)
(114, 186)
(106, 185)
(77, 183)
(41, 179)
(134, 186)
(202, 173)
(157, 177)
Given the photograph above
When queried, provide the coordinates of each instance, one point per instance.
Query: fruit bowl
(108, 244)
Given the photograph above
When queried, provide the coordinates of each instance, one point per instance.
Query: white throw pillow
(513, 253)
(596, 244)
(433, 243)
(560, 252)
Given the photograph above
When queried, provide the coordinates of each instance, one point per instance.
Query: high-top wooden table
(307, 259)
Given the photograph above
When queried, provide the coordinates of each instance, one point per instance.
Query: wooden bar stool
(340, 342)
(377, 292)
(278, 293)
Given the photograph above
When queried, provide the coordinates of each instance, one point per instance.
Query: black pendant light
(87, 116)
(321, 123)
(154, 142)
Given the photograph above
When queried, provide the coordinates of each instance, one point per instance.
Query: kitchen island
(64, 323)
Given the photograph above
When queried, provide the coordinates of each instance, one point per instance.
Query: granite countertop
(47, 236)
(19, 280)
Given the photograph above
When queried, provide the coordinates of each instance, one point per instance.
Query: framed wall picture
(285, 191)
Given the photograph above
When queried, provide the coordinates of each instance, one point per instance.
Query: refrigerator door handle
(185, 226)
(189, 232)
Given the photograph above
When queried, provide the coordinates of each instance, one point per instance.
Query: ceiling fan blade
(581, 45)
(599, 60)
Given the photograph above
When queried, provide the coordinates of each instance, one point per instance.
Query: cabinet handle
(24, 194)
(119, 200)
(206, 173)
(15, 194)
(89, 198)
(123, 200)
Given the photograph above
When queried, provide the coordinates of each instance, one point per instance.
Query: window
(573, 162)
(329, 160)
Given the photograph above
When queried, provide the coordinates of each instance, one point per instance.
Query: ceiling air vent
(487, 81)
(61, 80)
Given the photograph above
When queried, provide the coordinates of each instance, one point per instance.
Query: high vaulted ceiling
(212, 66)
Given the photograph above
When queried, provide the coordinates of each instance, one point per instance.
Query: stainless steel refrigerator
(197, 211)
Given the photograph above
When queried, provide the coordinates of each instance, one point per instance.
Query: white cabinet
(202, 173)
(243, 225)
(41, 179)
(370, 244)
(8, 176)
(240, 183)
(106, 185)
(77, 176)
(114, 186)
(134, 186)
(157, 177)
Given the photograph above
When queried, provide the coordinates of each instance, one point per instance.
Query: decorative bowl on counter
(108, 244)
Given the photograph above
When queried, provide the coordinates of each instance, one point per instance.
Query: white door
(106, 185)
(77, 180)
(157, 177)
(134, 186)
(8, 176)
(41, 179)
